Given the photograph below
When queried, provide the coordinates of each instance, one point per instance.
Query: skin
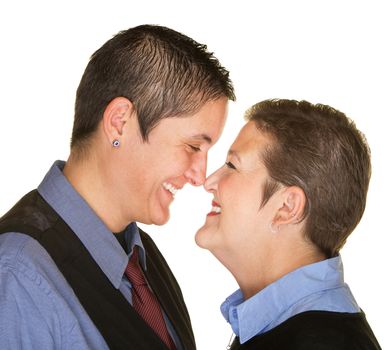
(125, 184)
(258, 245)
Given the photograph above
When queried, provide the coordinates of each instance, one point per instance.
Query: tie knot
(133, 270)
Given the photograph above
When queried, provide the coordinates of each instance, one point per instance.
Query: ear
(115, 116)
(293, 206)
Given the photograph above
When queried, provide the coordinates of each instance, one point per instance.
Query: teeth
(216, 209)
(170, 188)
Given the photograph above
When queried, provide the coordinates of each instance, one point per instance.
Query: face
(176, 154)
(236, 220)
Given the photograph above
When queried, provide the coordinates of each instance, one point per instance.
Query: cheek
(185, 162)
(177, 164)
(240, 200)
(231, 192)
(233, 209)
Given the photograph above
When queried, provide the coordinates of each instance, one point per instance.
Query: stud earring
(116, 143)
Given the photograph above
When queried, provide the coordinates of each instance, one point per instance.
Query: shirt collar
(93, 233)
(132, 238)
(273, 300)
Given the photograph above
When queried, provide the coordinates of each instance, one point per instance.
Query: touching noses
(196, 173)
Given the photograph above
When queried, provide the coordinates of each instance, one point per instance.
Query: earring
(116, 143)
(273, 230)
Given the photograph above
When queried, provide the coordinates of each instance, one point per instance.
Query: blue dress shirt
(38, 308)
(319, 286)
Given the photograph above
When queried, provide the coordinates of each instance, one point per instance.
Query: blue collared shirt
(34, 295)
(319, 286)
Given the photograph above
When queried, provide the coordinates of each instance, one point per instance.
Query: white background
(333, 52)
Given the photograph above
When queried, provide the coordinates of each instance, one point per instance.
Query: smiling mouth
(169, 187)
(215, 210)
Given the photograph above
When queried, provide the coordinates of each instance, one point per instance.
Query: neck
(90, 179)
(255, 270)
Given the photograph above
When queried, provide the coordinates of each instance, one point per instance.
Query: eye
(194, 148)
(230, 165)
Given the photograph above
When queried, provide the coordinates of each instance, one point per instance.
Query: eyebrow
(231, 152)
(204, 137)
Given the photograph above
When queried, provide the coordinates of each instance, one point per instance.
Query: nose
(196, 174)
(211, 183)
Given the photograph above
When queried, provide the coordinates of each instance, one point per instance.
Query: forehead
(250, 139)
(249, 147)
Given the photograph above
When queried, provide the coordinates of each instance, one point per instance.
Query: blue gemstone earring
(116, 143)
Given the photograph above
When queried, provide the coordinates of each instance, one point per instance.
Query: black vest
(117, 321)
(316, 330)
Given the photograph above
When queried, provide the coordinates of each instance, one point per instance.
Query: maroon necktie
(145, 302)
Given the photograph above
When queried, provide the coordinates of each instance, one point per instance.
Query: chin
(201, 238)
(161, 218)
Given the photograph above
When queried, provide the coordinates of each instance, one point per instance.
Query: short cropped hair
(162, 72)
(320, 150)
